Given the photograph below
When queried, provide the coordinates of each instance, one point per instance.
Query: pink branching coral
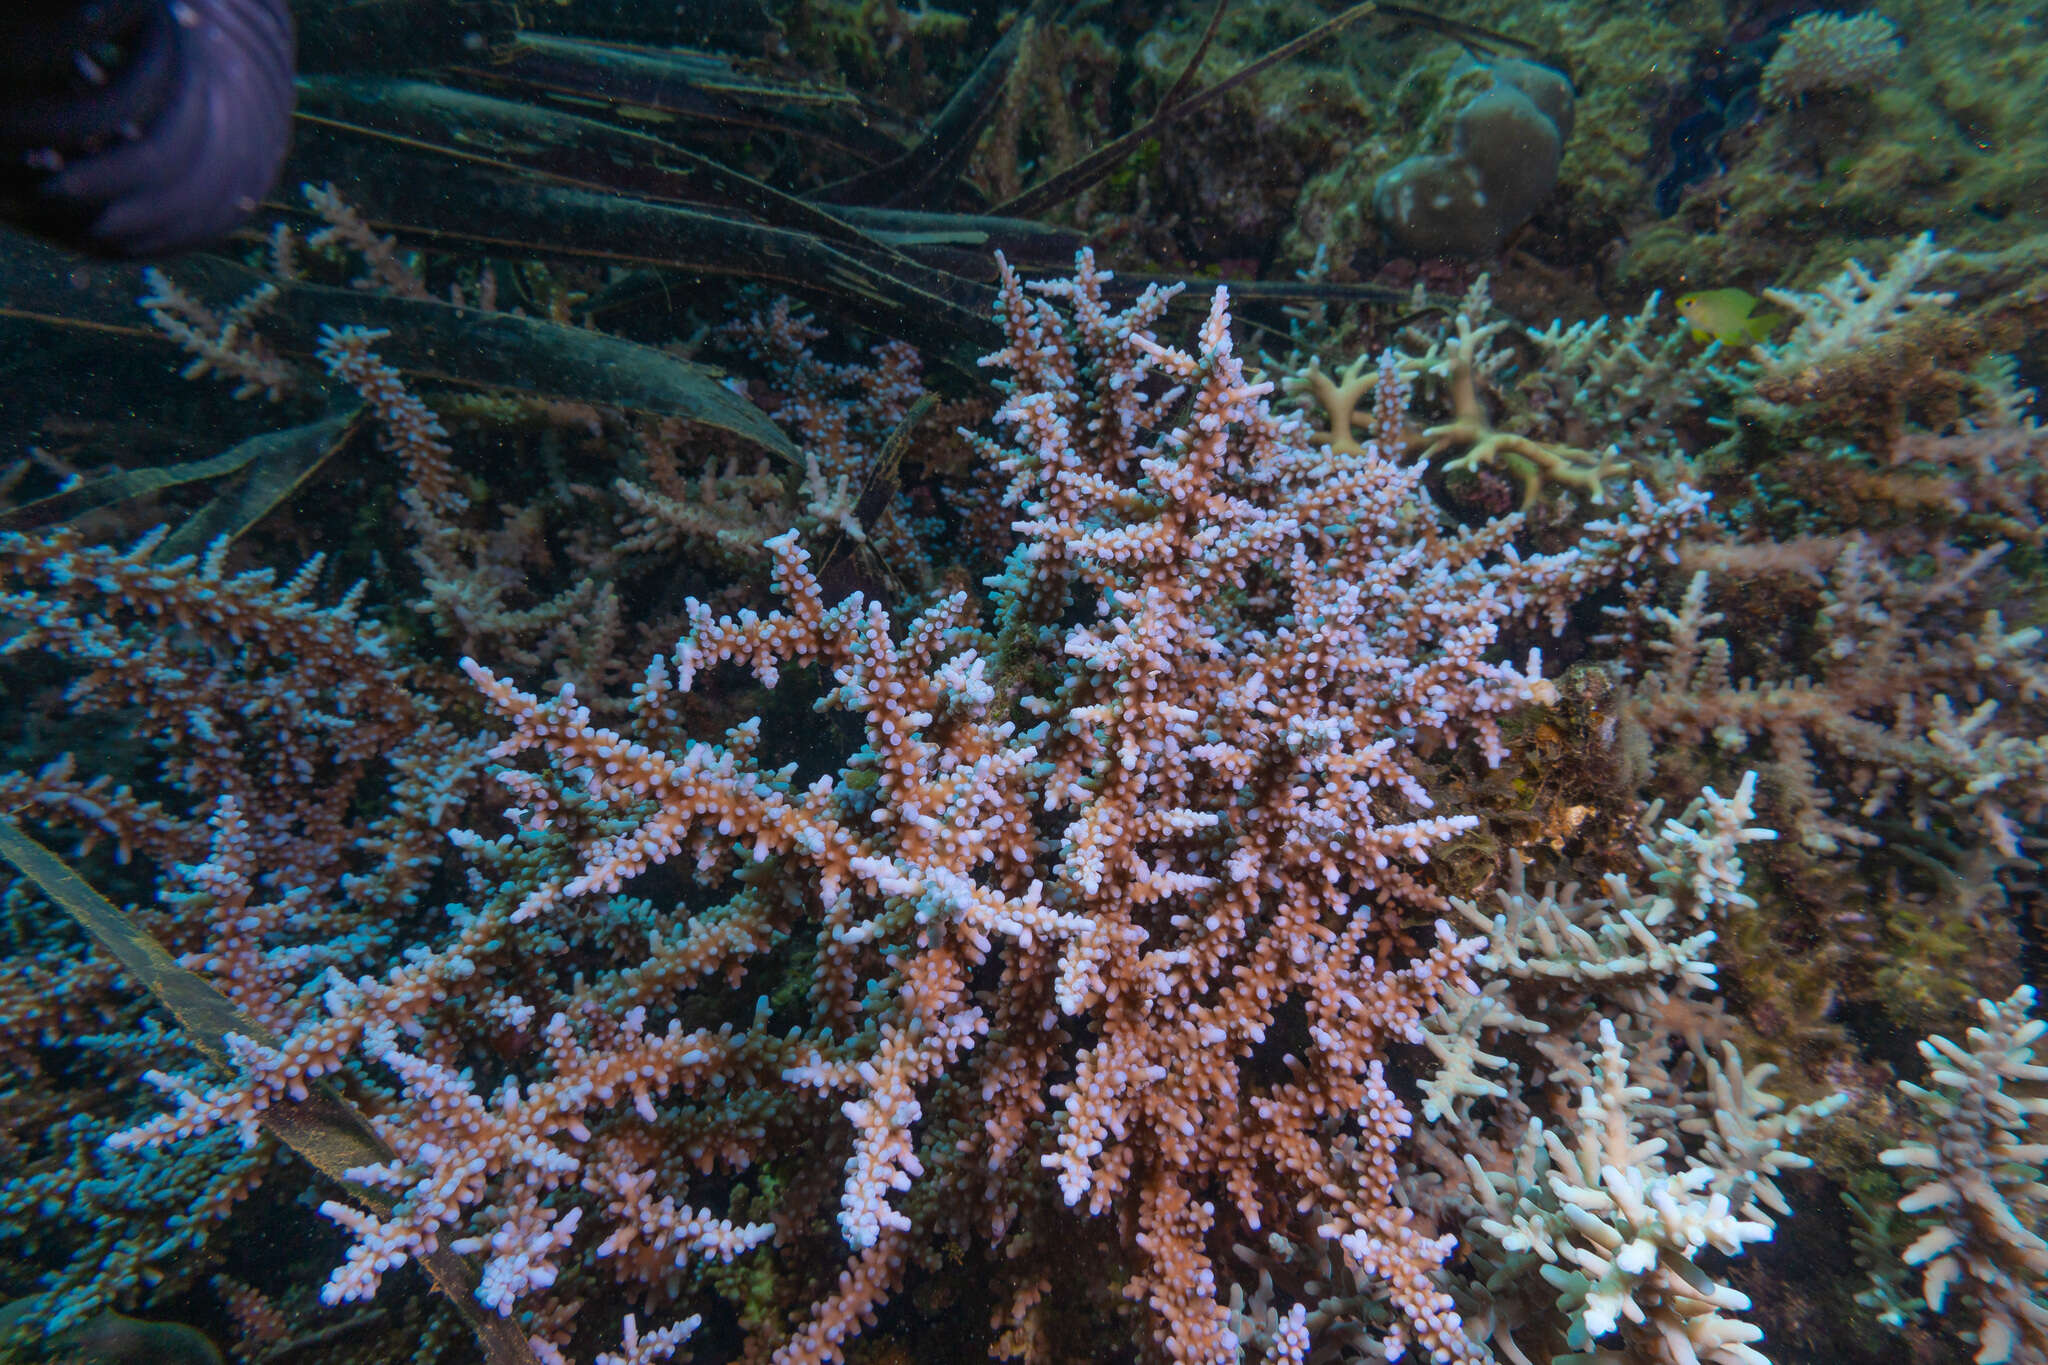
(274, 718)
(1113, 915)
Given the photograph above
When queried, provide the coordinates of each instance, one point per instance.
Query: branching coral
(1207, 939)
(1830, 52)
(1619, 1226)
(1913, 719)
(1624, 383)
(1090, 910)
(1976, 1181)
(1535, 464)
(1094, 926)
(1852, 313)
(1669, 1151)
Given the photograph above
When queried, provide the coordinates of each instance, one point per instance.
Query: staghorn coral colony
(1102, 741)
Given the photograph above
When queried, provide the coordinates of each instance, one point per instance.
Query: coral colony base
(1108, 965)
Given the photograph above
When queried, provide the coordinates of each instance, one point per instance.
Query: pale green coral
(1586, 1236)
(1619, 1221)
(1855, 310)
(1830, 52)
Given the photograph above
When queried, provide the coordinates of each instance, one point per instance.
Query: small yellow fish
(1727, 316)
